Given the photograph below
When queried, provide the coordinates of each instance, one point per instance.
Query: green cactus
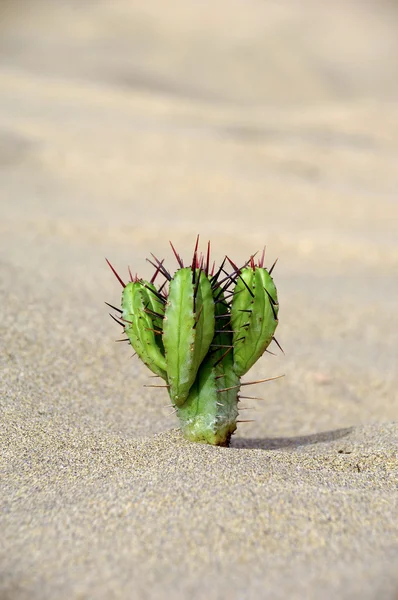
(201, 335)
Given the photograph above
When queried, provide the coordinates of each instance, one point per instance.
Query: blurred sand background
(123, 125)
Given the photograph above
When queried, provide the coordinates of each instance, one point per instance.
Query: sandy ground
(123, 126)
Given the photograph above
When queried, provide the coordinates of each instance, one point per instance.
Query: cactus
(201, 335)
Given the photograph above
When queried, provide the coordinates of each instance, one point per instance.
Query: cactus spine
(201, 335)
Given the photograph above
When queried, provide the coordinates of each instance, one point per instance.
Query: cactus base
(202, 431)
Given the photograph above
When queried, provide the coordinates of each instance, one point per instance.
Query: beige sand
(124, 125)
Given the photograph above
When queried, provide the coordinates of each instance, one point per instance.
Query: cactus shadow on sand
(290, 442)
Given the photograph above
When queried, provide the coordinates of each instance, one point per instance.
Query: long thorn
(114, 307)
(215, 277)
(246, 286)
(272, 268)
(116, 274)
(157, 294)
(221, 346)
(195, 259)
(153, 313)
(156, 331)
(116, 320)
(269, 352)
(161, 268)
(198, 317)
(207, 259)
(262, 380)
(261, 261)
(178, 257)
(223, 356)
(273, 304)
(155, 275)
(157, 386)
(278, 344)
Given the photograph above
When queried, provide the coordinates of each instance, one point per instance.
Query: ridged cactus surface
(200, 331)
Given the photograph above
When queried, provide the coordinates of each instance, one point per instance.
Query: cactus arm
(188, 328)
(140, 327)
(254, 317)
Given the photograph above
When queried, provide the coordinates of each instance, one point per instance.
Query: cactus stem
(278, 344)
(178, 257)
(116, 320)
(114, 307)
(272, 268)
(116, 274)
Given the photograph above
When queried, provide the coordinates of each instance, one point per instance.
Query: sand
(123, 126)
